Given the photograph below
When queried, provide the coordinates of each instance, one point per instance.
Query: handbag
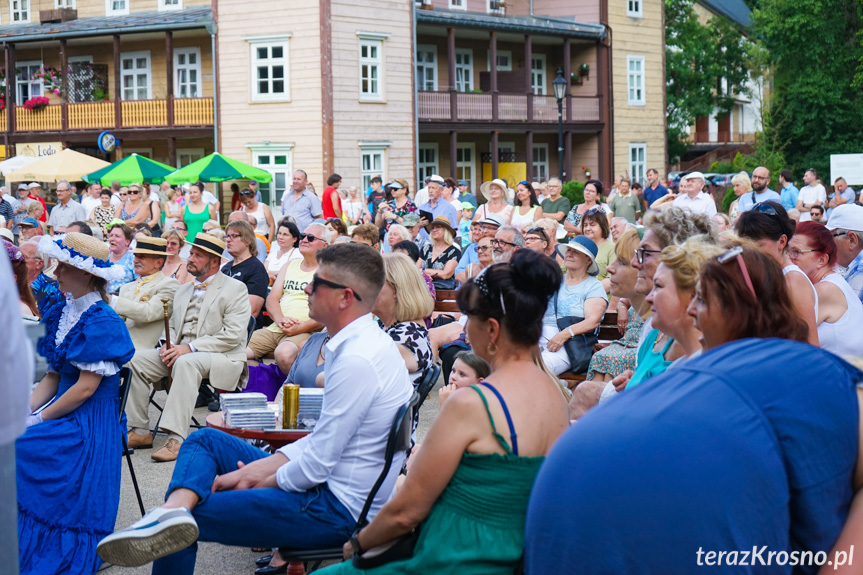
(579, 348)
(397, 550)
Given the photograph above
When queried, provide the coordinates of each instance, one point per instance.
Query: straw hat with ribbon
(442, 221)
(505, 191)
(147, 245)
(210, 244)
(83, 252)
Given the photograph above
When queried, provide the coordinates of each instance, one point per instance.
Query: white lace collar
(72, 312)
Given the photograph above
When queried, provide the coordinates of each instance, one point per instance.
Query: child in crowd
(468, 369)
(464, 224)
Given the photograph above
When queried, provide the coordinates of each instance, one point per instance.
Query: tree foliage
(815, 49)
(706, 65)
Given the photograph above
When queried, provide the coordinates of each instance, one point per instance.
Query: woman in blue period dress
(68, 461)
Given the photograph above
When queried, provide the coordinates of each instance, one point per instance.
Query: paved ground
(153, 479)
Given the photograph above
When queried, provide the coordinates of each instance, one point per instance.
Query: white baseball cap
(846, 217)
(693, 176)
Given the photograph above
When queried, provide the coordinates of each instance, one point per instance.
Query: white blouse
(70, 315)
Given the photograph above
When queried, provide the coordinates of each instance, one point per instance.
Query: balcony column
(494, 155)
(172, 151)
(450, 54)
(118, 109)
(604, 93)
(492, 65)
(453, 153)
(528, 75)
(10, 96)
(64, 89)
(169, 73)
(528, 145)
(567, 74)
(567, 156)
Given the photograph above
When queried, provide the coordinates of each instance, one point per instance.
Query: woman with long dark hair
(527, 209)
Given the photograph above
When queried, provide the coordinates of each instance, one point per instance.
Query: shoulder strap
(667, 345)
(512, 435)
(497, 435)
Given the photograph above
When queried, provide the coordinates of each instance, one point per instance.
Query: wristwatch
(356, 544)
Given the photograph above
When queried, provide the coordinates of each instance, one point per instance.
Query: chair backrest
(426, 384)
(399, 439)
(445, 301)
(251, 329)
(125, 384)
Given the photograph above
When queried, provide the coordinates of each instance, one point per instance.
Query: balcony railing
(470, 106)
(102, 115)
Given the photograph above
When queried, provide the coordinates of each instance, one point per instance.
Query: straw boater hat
(83, 252)
(210, 244)
(442, 221)
(150, 246)
(486, 186)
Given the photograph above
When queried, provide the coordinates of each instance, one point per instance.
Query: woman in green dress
(468, 486)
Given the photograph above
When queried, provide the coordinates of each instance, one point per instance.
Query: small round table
(275, 437)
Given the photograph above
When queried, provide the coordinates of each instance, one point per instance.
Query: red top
(327, 202)
(44, 217)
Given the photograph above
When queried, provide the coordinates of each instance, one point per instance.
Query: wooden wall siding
(90, 8)
(298, 121)
(583, 10)
(389, 120)
(636, 124)
(159, 150)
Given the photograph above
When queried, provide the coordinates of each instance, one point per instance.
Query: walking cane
(167, 334)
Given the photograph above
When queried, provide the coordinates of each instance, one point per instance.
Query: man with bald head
(760, 192)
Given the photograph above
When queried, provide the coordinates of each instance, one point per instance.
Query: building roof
(735, 10)
(196, 17)
(558, 27)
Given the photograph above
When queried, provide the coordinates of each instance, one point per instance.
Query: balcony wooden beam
(118, 110)
(528, 73)
(567, 72)
(169, 73)
(528, 144)
(492, 65)
(494, 155)
(64, 89)
(453, 153)
(11, 92)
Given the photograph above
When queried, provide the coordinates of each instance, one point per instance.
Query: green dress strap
(497, 435)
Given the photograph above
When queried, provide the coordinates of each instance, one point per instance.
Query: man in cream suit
(209, 329)
(140, 302)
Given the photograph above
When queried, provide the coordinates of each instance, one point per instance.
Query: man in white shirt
(310, 493)
(812, 194)
(92, 198)
(692, 197)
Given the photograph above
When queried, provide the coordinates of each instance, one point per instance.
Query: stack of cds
(247, 411)
(311, 399)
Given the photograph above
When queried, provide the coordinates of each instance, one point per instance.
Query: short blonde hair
(211, 223)
(742, 178)
(626, 244)
(174, 234)
(401, 232)
(685, 261)
(217, 233)
(413, 300)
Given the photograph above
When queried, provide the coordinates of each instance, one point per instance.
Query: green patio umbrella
(132, 169)
(218, 168)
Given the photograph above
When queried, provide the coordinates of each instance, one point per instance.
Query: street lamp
(559, 85)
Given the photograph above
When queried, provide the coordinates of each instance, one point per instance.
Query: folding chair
(125, 384)
(399, 439)
(426, 384)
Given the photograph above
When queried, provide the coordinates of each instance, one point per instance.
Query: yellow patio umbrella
(67, 165)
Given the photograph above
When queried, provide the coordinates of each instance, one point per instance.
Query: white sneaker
(158, 533)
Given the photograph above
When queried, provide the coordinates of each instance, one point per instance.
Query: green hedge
(574, 190)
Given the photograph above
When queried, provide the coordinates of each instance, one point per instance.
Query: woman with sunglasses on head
(527, 209)
(840, 313)
(265, 225)
(592, 200)
(536, 239)
(768, 225)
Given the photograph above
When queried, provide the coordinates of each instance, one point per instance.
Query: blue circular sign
(106, 142)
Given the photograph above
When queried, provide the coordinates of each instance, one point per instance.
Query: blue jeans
(253, 517)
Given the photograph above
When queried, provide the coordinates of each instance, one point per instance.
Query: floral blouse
(415, 337)
(406, 209)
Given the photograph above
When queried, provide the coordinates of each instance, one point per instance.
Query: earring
(490, 350)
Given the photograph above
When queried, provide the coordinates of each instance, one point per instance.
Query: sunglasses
(765, 209)
(318, 281)
(737, 253)
(246, 193)
(134, 192)
(639, 254)
(310, 237)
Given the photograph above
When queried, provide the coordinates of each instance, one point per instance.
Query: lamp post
(559, 85)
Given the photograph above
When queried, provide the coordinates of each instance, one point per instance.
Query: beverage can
(290, 405)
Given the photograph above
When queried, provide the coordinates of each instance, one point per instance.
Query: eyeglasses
(539, 232)
(482, 248)
(765, 209)
(839, 234)
(310, 237)
(232, 236)
(639, 254)
(498, 243)
(317, 281)
(737, 253)
(795, 253)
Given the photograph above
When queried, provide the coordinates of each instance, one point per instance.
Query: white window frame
(64, 4)
(500, 53)
(111, 11)
(25, 9)
(489, 9)
(635, 81)
(638, 166)
(427, 66)
(545, 169)
(195, 67)
(189, 152)
(31, 83)
(466, 71)
(372, 149)
(371, 40)
(255, 42)
(458, 4)
(123, 74)
(80, 59)
(426, 168)
(462, 165)
(538, 87)
(176, 5)
(635, 8)
(281, 149)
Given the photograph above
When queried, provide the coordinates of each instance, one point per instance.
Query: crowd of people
(728, 323)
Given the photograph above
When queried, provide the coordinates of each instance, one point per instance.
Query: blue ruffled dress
(68, 469)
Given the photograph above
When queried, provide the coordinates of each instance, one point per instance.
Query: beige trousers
(188, 371)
